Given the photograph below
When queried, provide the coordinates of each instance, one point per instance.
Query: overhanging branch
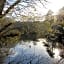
(11, 7)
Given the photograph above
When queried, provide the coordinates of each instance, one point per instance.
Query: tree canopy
(11, 5)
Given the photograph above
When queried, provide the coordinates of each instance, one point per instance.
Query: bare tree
(3, 2)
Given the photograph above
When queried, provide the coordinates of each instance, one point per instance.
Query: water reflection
(57, 52)
(29, 53)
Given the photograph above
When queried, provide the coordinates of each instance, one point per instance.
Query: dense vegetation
(10, 32)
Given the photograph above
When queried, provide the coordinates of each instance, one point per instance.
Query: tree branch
(2, 3)
(11, 7)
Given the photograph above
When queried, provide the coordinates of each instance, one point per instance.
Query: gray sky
(54, 5)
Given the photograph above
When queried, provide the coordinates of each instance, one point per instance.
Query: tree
(56, 37)
(3, 2)
(60, 15)
(49, 16)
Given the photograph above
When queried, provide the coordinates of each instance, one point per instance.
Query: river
(29, 52)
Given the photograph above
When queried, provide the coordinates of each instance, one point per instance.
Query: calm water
(29, 52)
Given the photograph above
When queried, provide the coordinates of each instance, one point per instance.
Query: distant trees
(34, 30)
(60, 15)
(15, 31)
(49, 16)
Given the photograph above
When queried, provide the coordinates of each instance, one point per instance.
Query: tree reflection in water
(29, 53)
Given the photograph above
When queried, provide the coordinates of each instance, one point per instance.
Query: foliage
(57, 30)
(8, 34)
(12, 32)
(49, 16)
(34, 30)
(60, 15)
(56, 37)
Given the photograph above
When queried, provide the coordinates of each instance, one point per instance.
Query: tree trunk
(2, 3)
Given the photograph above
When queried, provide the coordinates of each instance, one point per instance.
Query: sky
(54, 5)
